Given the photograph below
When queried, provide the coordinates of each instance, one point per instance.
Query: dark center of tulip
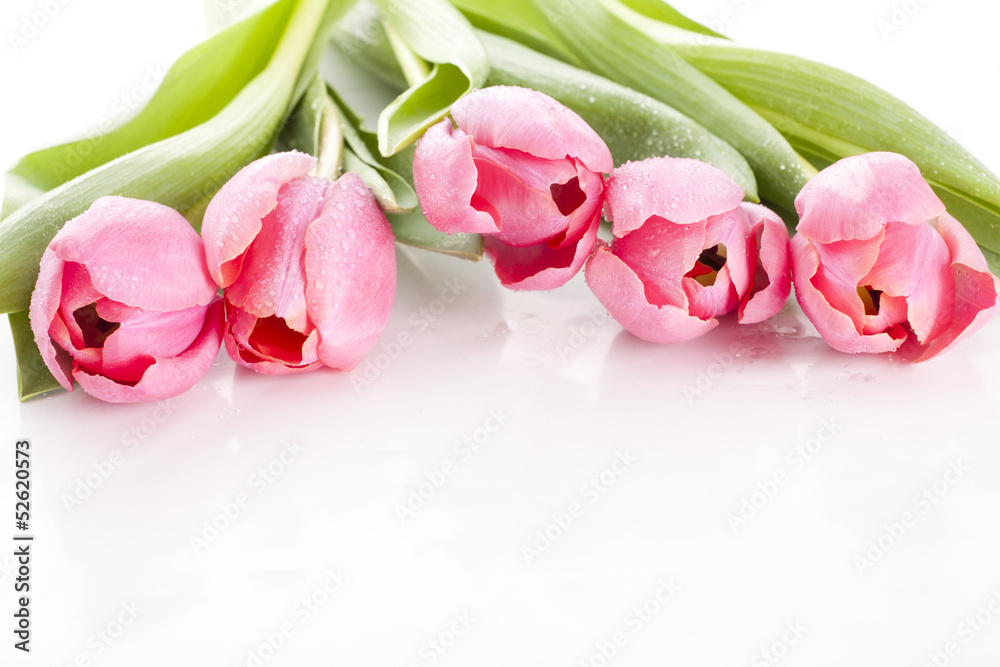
(709, 263)
(95, 329)
(568, 196)
(272, 337)
(870, 297)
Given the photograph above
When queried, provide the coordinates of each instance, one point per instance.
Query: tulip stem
(415, 69)
(298, 38)
(330, 152)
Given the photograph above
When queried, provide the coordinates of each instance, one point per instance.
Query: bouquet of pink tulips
(251, 205)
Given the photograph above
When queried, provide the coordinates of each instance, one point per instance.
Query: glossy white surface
(504, 415)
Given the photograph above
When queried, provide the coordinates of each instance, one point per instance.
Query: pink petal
(167, 377)
(351, 273)
(913, 262)
(273, 278)
(837, 328)
(843, 265)
(591, 184)
(531, 122)
(621, 291)
(233, 217)
(974, 292)
(138, 252)
(892, 312)
(445, 178)
(77, 291)
(850, 261)
(853, 198)
(661, 253)
(772, 281)
(977, 291)
(961, 245)
(269, 351)
(680, 190)
(516, 188)
(144, 337)
(542, 266)
(41, 313)
(730, 230)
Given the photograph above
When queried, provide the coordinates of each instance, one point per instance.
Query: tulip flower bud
(880, 266)
(124, 303)
(308, 266)
(524, 171)
(686, 251)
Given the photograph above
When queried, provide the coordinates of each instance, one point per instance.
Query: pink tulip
(880, 266)
(308, 266)
(124, 303)
(524, 171)
(686, 250)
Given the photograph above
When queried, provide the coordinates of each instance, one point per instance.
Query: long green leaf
(517, 20)
(413, 229)
(661, 11)
(363, 45)
(634, 125)
(199, 85)
(840, 115)
(993, 259)
(616, 49)
(437, 33)
(33, 376)
(180, 171)
(828, 114)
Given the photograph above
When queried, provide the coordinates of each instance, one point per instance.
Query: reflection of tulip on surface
(686, 251)
(879, 265)
(524, 171)
(308, 266)
(124, 303)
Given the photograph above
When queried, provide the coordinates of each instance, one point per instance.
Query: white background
(572, 396)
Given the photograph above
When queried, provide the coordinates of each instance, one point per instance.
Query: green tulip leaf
(196, 88)
(181, 171)
(517, 20)
(828, 114)
(612, 47)
(413, 229)
(634, 126)
(33, 376)
(660, 11)
(434, 32)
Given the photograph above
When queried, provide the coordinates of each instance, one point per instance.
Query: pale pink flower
(124, 303)
(308, 266)
(686, 251)
(879, 265)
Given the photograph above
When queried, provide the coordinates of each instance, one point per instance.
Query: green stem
(298, 38)
(330, 151)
